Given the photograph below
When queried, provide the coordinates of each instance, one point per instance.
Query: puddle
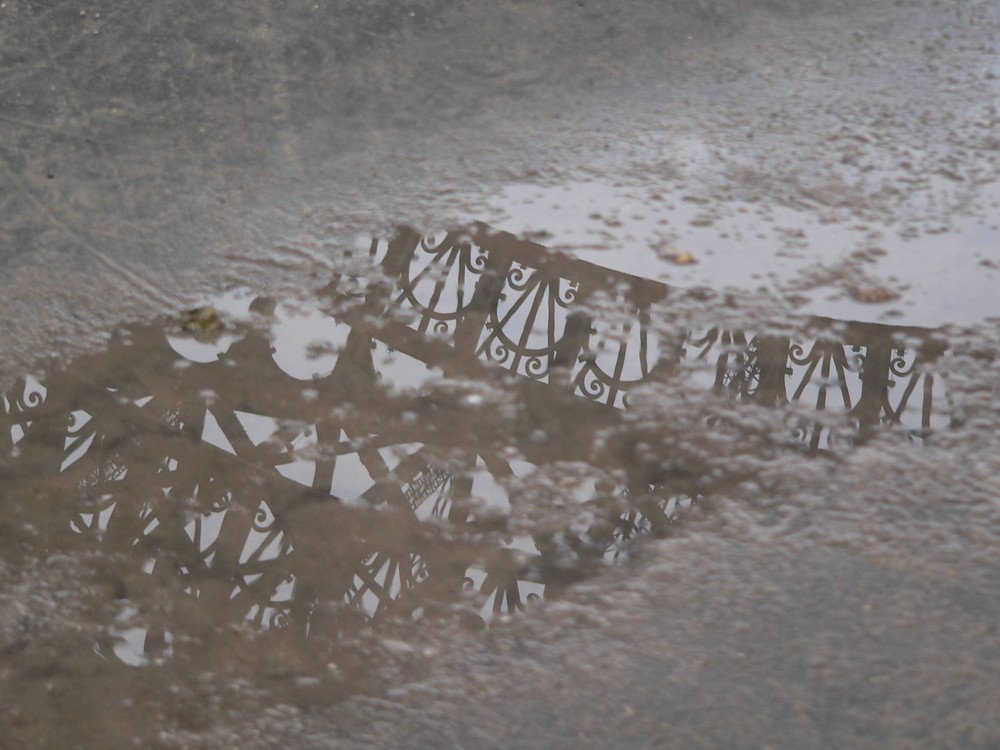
(928, 273)
(453, 430)
(704, 453)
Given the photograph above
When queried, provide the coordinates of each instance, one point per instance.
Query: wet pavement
(693, 443)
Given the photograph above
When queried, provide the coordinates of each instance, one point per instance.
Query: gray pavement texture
(154, 155)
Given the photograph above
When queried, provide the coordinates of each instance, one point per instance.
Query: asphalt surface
(153, 158)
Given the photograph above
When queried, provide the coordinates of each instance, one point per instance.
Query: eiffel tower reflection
(460, 382)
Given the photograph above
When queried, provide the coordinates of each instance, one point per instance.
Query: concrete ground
(153, 157)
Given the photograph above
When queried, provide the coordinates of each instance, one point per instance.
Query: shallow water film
(496, 375)
(291, 500)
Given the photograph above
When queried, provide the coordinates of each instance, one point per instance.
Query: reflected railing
(452, 399)
(528, 310)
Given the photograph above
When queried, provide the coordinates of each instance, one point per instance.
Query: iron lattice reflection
(407, 478)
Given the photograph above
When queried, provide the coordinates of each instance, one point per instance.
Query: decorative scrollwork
(263, 520)
(824, 367)
(438, 282)
(907, 378)
(618, 358)
(700, 343)
(16, 405)
(281, 618)
(902, 362)
(527, 322)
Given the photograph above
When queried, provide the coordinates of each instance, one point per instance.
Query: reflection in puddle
(473, 431)
(943, 275)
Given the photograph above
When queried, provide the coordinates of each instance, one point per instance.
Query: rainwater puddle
(453, 429)
(926, 274)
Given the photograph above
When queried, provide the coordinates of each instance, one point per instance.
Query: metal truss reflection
(288, 504)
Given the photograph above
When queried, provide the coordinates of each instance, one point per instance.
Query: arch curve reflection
(434, 460)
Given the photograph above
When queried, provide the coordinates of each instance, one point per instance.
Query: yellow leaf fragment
(201, 320)
(680, 257)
